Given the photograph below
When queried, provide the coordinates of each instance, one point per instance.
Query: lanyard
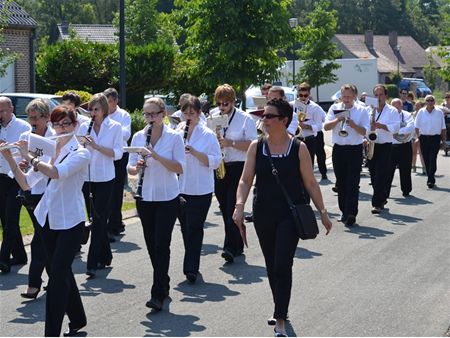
(229, 123)
(379, 114)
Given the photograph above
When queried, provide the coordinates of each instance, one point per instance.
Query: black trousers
(192, 218)
(310, 142)
(347, 161)
(379, 173)
(99, 248)
(225, 191)
(429, 146)
(62, 291)
(158, 220)
(402, 157)
(39, 259)
(278, 240)
(115, 215)
(10, 206)
(320, 153)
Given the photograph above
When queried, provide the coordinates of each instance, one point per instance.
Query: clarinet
(91, 124)
(186, 131)
(138, 194)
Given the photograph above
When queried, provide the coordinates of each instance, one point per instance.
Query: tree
(236, 42)
(318, 50)
(7, 57)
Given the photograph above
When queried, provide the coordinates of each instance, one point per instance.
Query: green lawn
(26, 227)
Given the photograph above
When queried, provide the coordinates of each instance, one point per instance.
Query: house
(394, 53)
(87, 32)
(19, 36)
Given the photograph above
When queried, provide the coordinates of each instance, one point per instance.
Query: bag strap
(277, 178)
(48, 182)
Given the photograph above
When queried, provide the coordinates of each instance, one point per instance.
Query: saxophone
(372, 137)
(220, 171)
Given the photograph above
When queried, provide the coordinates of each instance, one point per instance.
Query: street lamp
(398, 48)
(293, 22)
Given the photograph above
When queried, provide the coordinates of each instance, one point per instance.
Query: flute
(138, 194)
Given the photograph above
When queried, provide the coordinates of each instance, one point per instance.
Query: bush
(392, 90)
(84, 96)
(137, 121)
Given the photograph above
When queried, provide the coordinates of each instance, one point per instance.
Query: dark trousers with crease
(99, 248)
(158, 220)
(278, 240)
(429, 146)
(62, 291)
(225, 191)
(379, 172)
(192, 218)
(347, 161)
(10, 206)
(39, 259)
(401, 157)
(320, 153)
(115, 214)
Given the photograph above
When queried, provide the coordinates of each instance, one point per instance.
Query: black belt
(229, 164)
(307, 138)
(429, 136)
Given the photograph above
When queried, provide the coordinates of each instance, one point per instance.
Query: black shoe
(72, 332)
(324, 177)
(191, 277)
(271, 321)
(430, 185)
(343, 219)
(5, 268)
(350, 220)
(228, 256)
(405, 194)
(31, 295)
(279, 334)
(101, 266)
(15, 261)
(376, 210)
(335, 189)
(154, 304)
(249, 218)
(91, 273)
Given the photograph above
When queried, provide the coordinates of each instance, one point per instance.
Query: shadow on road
(303, 253)
(397, 219)
(163, 324)
(124, 247)
(242, 272)
(209, 249)
(11, 280)
(32, 311)
(210, 225)
(101, 284)
(290, 330)
(411, 200)
(365, 232)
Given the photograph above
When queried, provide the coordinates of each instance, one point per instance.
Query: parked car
(289, 92)
(170, 100)
(21, 100)
(407, 83)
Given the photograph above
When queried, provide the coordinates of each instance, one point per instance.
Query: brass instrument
(342, 130)
(402, 138)
(301, 117)
(372, 136)
(138, 194)
(220, 171)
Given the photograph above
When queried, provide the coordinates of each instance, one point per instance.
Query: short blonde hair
(225, 92)
(156, 101)
(101, 99)
(39, 106)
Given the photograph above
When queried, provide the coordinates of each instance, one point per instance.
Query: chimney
(393, 41)
(368, 39)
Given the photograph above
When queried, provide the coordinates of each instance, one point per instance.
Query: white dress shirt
(198, 179)
(81, 119)
(11, 134)
(63, 201)
(124, 119)
(359, 114)
(159, 183)
(430, 123)
(391, 118)
(314, 114)
(241, 128)
(101, 167)
(40, 186)
(407, 120)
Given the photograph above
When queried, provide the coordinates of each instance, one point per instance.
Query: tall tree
(236, 42)
(318, 51)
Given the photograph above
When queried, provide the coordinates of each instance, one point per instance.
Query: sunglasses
(270, 116)
(225, 104)
(429, 100)
(61, 125)
(303, 95)
(447, 97)
(152, 114)
(93, 109)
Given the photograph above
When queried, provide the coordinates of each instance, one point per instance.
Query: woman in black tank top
(273, 220)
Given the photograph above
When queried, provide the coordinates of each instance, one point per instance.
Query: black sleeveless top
(268, 197)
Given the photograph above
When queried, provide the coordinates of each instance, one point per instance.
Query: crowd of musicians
(182, 166)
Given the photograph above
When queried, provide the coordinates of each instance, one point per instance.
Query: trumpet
(220, 171)
(402, 138)
(343, 130)
(301, 116)
(138, 194)
(372, 136)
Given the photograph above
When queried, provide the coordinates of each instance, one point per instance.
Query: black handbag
(303, 215)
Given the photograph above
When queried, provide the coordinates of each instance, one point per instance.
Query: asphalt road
(387, 276)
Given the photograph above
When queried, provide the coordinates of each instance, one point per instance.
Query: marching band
(179, 168)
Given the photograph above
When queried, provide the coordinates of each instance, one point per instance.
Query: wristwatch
(323, 211)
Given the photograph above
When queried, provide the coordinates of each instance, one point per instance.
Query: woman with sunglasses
(272, 217)
(236, 139)
(203, 155)
(104, 141)
(61, 215)
(158, 206)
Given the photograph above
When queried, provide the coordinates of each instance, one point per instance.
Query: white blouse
(101, 167)
(122, 117)
(430, 123)
(63, 201)
(198, 179)
(159, 183)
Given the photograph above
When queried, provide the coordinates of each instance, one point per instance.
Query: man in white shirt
(73, 100)
(431, 130)
(385, 121)
(234, 142)
(347, 150)
(115, 223)
(402, 150)
(10, 130)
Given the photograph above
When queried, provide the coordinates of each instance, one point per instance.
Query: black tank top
(268, 198)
